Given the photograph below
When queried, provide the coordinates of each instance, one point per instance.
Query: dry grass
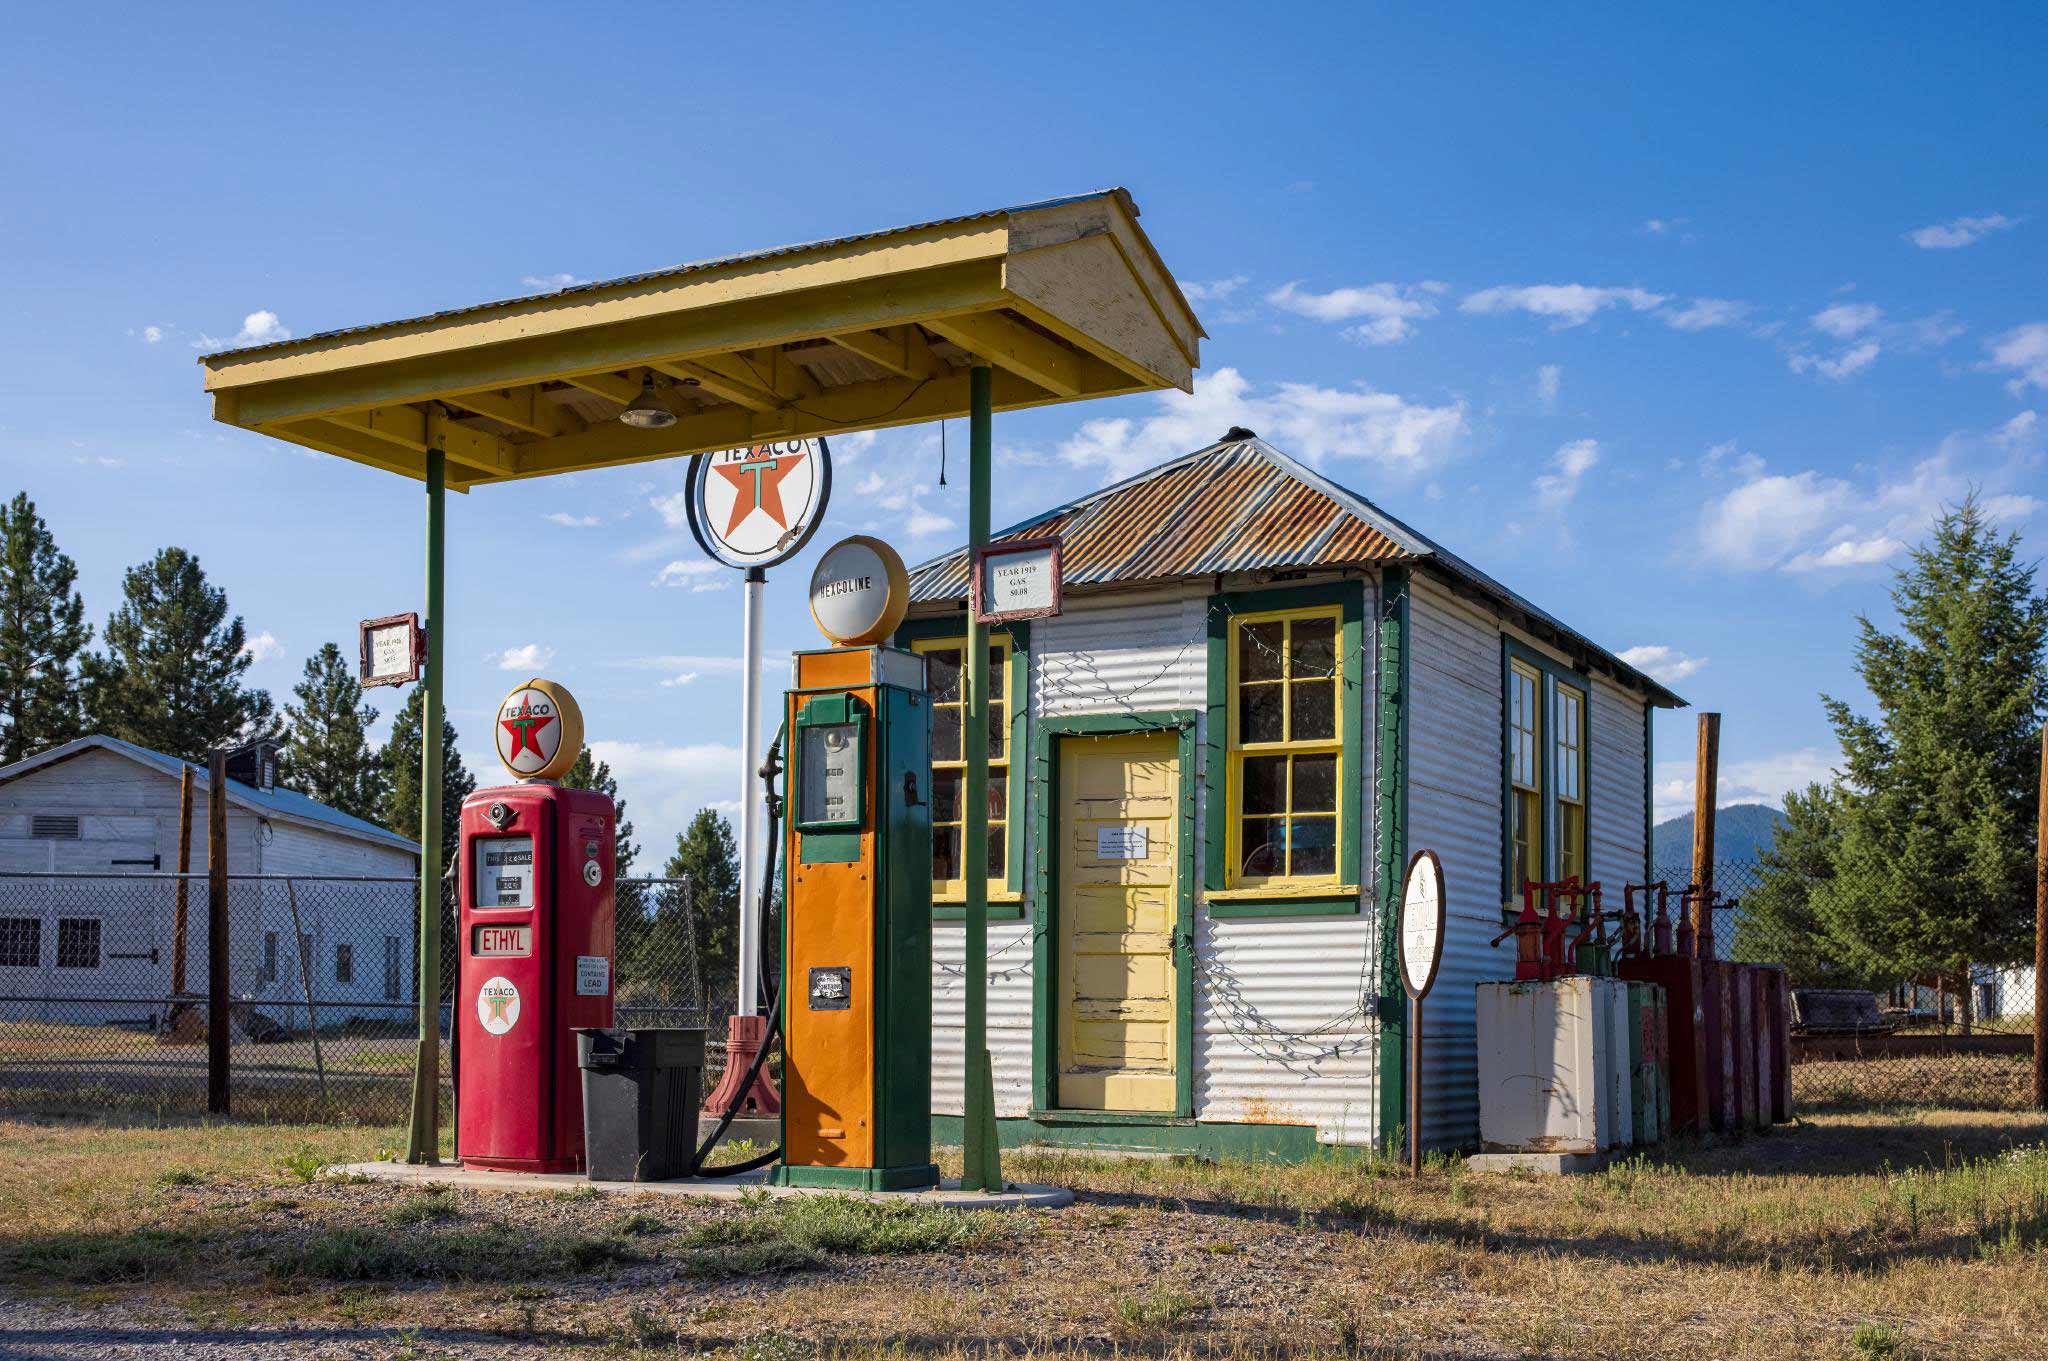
(1846, 1236)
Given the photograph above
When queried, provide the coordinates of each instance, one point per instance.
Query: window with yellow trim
(943, 662)
(1286, 750)
(1525, 774)
(1569, 769)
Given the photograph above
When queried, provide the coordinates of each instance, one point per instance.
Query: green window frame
(1546, 737)
(1226, 891)
(1005, 891)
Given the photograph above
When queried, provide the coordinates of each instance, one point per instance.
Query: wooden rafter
(1012, 345)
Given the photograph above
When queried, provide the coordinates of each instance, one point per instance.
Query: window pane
(945, 854)
(942, 674)
(998, 732)
(1265, 784)
(1264, 852)
(998, 792)
(1259, 715)
(1315, 711)
(995, 673)
(946, 795)
(997, 834)
(1258, 651)
(945, 733)
(1315, 846)
(1315, 784)
(1312, 648)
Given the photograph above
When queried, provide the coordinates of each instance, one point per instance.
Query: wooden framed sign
(1422, 923)
(391, 649)
(1019, 579)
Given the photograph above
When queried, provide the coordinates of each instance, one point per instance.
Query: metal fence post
(217, 933)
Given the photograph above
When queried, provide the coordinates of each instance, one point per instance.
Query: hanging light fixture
(650, 410)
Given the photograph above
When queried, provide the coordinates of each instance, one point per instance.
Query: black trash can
(641, 1090)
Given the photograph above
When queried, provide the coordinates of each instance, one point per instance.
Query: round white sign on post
(1422, 923)
(859, 591)
(497, 1005)
(540, 731)
(756, 506)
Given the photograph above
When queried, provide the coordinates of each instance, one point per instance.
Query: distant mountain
(1742, 831)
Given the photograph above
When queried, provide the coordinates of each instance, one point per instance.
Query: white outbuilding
(1207, 774)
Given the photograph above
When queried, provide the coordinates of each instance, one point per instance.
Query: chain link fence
(1864, 1035)
(104, 990)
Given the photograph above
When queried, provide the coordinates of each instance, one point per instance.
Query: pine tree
(706, 856)
(171, 677)
(1933, 867)
(401, 761)
(327, 753)
(42, 632)
(1777, 922)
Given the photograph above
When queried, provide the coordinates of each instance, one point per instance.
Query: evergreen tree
(401, 762)
(42, 631)
(171, 677)
(704, 855)
(1778, 923)
(1933, 864)
(629, 905)
(327, 752)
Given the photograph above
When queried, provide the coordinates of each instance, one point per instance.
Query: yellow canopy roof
(1064, 300)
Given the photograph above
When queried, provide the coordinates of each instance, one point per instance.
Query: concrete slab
(1551, 1164)
(944, 1196)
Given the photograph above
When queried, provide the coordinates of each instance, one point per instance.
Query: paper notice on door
(1126, 841)
(593, 975)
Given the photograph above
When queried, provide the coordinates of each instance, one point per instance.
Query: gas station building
(1261, 693)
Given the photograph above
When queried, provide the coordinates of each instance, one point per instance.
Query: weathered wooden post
(1705, 791)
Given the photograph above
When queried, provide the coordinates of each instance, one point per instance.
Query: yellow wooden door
(1117, 907)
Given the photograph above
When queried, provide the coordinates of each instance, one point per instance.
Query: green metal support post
(425, 1141)
(981, 1168)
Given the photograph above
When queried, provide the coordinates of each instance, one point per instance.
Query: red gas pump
(535, 945)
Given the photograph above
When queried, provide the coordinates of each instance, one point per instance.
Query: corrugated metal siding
(1009, 1016)
(1122, 655)
(1616, 788)
(1454, 809)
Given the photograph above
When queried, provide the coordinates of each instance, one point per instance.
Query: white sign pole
(755, 587)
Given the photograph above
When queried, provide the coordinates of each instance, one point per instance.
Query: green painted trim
(1046, 736)
(857, 1178)
(1243, 1143)
(424, 1135)
(836, 710)
(1552, 671)
(1649, 790)
(1057, 1117)
(1019, 634)
(997, 912)
(1394, 635)
(1240, 909)
(1349, 596)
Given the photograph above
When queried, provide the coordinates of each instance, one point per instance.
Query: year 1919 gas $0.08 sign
(756, 506)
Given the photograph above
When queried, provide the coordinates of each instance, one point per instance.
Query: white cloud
(681, 678)
(1385, 312)
(925, 523)
(152, 334)
(258, 328)
(262, 647)
(568, 521)
(1214, 290)
(1764, 779)
(1549, 379)
(1556, 488)
(1666, 664)
(1846, 553)
(668, 784)
(1767, 518)
(1704, 313)
(688, 571)
(2024, 350)
(526, 657)
(685, 661)
(550, 282)
(1310, 422)
(1844, 365)
(1845, 319)
(1565, 304)
(1663, 226)
(1961, 231)
(674, 509)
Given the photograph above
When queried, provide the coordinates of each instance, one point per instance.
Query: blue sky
(1682, 324)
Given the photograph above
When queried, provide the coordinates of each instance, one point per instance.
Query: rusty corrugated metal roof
(1239, 505)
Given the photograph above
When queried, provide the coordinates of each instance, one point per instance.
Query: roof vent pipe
(1238, 432)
